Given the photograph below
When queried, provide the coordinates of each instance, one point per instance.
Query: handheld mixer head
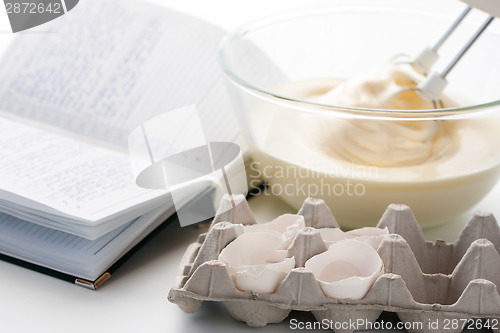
(432, 86)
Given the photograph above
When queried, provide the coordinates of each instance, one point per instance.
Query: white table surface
(134, 300)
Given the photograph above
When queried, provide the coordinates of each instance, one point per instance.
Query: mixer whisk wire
(432, 86)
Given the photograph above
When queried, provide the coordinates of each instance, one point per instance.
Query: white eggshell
(331, 235)
(256, 263)
(266, 280)
(286, 226)
(370, 235)
(347, 270)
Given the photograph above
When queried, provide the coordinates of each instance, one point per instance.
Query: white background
(134, 300)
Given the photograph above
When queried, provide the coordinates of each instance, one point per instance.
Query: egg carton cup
(435, 284)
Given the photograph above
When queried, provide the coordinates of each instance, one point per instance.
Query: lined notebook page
(66, 183)
(70, 175)
(108, 66)
(104, 68)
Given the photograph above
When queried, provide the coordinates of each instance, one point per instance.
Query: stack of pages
(69, 96)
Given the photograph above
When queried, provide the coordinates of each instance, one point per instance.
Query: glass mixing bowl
(356, 159)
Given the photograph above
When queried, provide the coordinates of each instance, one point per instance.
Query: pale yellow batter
(359, 165)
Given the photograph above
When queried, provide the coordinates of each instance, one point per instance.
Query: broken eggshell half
(256, 263)
(372, 236)
(331, 235)
(347, 270)
(285, 226)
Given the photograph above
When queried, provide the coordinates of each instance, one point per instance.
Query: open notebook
(69, 98)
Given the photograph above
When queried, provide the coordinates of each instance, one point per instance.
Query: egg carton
(433, 286)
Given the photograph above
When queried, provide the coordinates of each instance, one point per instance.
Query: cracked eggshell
(347, 270)
(285, 226)
(370, 235)
(256, 263)
(331, 235)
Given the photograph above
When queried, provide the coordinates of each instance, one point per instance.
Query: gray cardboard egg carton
(424, 282)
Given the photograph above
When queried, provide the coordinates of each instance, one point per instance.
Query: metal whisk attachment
(432, 86)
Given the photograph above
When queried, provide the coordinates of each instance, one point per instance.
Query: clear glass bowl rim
(308, 106)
